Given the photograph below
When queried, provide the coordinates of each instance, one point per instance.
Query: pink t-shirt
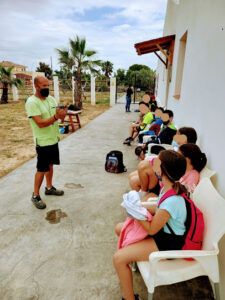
(190, 179)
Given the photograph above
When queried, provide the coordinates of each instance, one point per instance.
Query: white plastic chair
(150, 201)
(166, 146)
(161, 271)
(206, 173)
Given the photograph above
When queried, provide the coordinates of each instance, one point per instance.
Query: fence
(93, 91)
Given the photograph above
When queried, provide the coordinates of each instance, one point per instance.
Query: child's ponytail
(173, 165)
(179, 188)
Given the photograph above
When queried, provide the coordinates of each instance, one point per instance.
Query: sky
(32, 30)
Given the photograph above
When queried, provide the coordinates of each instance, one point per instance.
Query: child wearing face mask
(169, 167)
(196, 161)
(167, 132)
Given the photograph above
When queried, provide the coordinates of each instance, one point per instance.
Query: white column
(73, 89)
(93, 90)
(34, 90)
(15, 92)
(112, 91)
(56, 88)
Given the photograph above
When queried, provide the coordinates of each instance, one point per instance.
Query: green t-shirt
(147, 119)
(45, 136)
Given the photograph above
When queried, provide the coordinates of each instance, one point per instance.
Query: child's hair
(153, 108)
(138, 150)
(197, 157)
(169, 113)
(173, 165)
(161, 108)
(190, 133)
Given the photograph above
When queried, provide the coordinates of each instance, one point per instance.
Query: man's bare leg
(39, 176)
(48, 176)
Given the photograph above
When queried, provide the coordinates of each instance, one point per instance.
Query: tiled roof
(9, 64)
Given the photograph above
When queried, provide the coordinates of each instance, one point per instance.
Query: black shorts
(138, 129)
(166, 241)
(47, 155)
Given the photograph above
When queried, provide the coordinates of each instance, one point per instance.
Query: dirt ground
(16, 139)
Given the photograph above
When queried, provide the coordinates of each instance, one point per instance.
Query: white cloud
(32, 30)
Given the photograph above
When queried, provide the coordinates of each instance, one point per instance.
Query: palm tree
(107, 68)
(78, 59)
(7, 79)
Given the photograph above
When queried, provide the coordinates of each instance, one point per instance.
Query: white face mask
(175, 146)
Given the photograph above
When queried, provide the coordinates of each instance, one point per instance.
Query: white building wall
(202, 98)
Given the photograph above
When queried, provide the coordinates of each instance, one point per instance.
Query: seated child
(169, 167)
(196, 161)
(136, 128)
(167, 132)
(184, 135)
(144, 178)
(155, 125)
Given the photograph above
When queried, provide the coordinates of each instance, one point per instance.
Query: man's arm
(41, 123)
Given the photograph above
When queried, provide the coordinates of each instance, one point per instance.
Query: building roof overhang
(164, 44)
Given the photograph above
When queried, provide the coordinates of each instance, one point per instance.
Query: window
(180, 65)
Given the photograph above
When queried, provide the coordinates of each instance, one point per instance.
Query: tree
(43, 67)
(137, 67)
(78, 59)
(107, 68)
(120, 76)
(142, 78)
(6, 79)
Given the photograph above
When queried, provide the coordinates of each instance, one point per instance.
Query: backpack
(194, 223)
(114, 162)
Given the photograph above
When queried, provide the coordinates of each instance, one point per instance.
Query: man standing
(43, 119)
(128, 98)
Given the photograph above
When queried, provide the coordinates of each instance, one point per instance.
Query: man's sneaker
(136, 296)
(38, 202)
(53, 191)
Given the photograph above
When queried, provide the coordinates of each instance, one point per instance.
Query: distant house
(17, 68)
(20, 69)
(25, 77)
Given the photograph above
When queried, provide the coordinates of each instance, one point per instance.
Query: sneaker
(38, 203)
(128, 140)
(136, 297)
(53, 191)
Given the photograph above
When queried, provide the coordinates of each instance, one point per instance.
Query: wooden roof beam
(161, 49)
(160, 58)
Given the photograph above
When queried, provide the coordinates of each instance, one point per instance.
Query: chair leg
(150, 296)
(217, 290)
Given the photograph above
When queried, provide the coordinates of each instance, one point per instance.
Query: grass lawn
(16, 139)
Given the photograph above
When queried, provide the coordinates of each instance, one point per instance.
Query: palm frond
(65, 59)
(82, 46)
(89, 53)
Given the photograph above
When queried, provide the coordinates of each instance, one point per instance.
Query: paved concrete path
(71, 259)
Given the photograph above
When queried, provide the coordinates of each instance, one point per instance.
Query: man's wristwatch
(55, 118)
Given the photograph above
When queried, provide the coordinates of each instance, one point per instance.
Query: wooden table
(73, 119)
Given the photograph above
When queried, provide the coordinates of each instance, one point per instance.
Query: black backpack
(114, 162)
